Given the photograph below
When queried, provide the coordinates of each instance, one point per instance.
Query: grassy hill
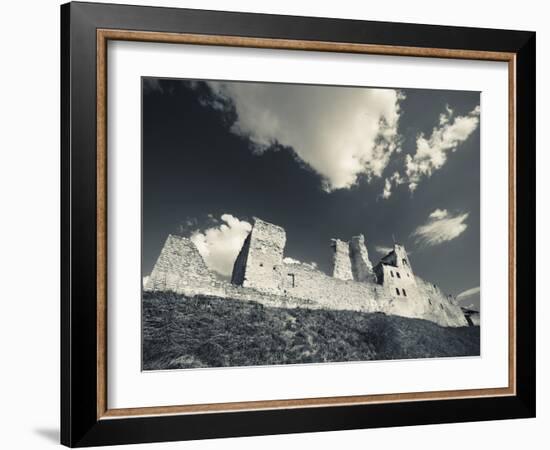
(180, 332)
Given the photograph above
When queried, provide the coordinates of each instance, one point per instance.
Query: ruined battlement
(360, 263)
(261, 274)
(259, 264)
(341, 262)
(180, 267)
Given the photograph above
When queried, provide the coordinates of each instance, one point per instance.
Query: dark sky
(196, 164)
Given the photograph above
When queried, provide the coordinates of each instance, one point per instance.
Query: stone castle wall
(308, 283)
(180, 267)
(341, 263)
(239, 267)
(411, 295)
(260, 275)
(472, 316)
(260, 261)
(424, 302)
(440, 307)
(360, 263)
(400, 281)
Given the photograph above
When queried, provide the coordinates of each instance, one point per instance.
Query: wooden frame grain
(105, 35)
(86, 418)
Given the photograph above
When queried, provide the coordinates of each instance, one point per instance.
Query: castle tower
(360, 263)
(399, 258)
(402, 258)
(180, 268)
(260, 262)
(341, 263)
(395, 272)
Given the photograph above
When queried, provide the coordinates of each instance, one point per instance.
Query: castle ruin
(262, 274)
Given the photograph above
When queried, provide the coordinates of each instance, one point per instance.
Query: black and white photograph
(306, 224)
(275, 225)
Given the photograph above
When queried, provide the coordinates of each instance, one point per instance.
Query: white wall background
(29, 225)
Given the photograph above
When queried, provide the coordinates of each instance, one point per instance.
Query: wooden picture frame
(86, 418)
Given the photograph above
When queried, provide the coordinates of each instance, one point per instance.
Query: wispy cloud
(432, 152)
(289, 260)
(440, 227)
(468, 293)
(395, 180)
(470, 298)
(381, 249)
(220, 244)
(341, 133)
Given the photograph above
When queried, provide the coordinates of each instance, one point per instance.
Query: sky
(321, 161)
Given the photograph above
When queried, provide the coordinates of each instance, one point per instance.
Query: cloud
(439, 214)
(445, 116)
(471, 296)
(289, 260)
(220, 245)
(382, 249)
(468, 293)
(440, 227)
(341, 133)
(431, 153)
(152, 85)
(396, 179)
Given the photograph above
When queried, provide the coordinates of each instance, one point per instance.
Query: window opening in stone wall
(391, 272)
(404, 262)
(429, 301)
(404, 292)
(292, 279)
(441, 306)
(261, 264)
(398, 276)
(397, 290)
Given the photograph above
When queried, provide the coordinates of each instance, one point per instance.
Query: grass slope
(180, 332)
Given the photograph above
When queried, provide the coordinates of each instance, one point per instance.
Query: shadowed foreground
(181, 332)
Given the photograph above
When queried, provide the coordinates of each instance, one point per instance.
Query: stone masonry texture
(361, 265)
(261, 275)
(262, 266)
(341, 263)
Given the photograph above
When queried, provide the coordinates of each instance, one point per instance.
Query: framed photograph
(276, 224)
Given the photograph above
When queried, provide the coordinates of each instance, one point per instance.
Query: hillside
(180, 332)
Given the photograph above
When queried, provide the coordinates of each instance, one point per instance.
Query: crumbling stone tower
(180, 266)
(341, 262)
(398, 258)
(350, 260)
(259, 264)
(395, 272)
(360, 263)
